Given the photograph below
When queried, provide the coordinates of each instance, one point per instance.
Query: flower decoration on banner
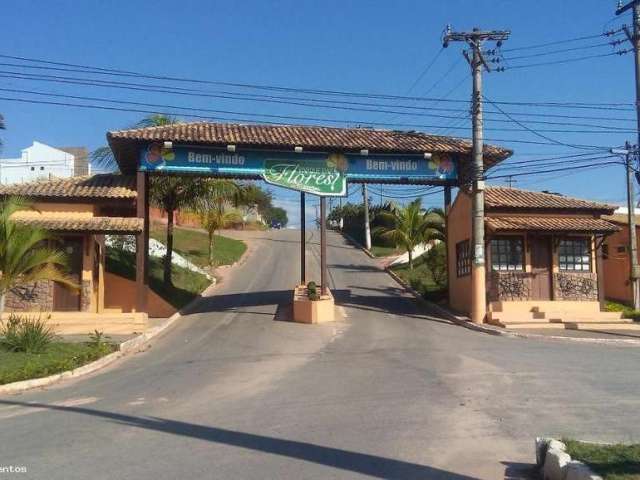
(338, 161)
(157, 155)
(441, 164)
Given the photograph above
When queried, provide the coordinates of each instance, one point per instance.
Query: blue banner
(251, 163)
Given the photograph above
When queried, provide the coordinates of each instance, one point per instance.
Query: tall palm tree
(212, 207)
(25, 253)
(173, 193)
(411, 226)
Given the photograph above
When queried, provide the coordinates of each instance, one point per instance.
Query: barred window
(507, 253)
(463, 258)
(575, 254)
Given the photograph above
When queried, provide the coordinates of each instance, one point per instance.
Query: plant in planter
(312, 291)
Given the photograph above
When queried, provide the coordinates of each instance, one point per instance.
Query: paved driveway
(387, 392)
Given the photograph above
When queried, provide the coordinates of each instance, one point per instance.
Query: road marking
(21, 410)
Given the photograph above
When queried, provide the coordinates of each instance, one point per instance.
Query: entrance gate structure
(317, 160)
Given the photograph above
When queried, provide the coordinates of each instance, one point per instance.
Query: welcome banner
(318, 173)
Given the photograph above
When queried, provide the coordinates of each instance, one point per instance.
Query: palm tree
(25, 254)
(212, 207)
(411, 226)
(173, 193)
(103, 156)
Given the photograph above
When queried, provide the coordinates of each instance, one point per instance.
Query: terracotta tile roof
(621, 218)
(107, 186)
(75, 223)
(514, 198)
(287, 136)
(550, 224)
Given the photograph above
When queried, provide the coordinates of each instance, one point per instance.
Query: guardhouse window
(507, 254)
(463, 258)
(574, 254)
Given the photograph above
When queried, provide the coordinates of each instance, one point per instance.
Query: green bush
(436, 261)
(312, 291)
(24, 334)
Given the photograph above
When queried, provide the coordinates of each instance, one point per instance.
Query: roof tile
(306, 136)
(503, 197)
(54, 223)
(550, 224)
(107, 186)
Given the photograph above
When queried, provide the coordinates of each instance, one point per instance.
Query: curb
(125, 348)
(357, 244)
(554, 463)
(491, 330)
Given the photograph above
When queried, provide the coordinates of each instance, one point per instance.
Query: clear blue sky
(363, 46)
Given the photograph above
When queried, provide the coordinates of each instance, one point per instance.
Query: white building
(40, 161)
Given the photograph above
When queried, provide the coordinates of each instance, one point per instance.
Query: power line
(424, 71)
(563, 169)
(564, 50)
(536, 133)
(568, 40)
(568, 60)
(102, 70)
(165, 109)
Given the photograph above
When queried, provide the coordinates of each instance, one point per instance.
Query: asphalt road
(389, 391)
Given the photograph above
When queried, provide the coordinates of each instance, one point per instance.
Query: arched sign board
(317, 173)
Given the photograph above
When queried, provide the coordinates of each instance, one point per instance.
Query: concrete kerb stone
(357, 244)
(124, 348)
(556, 464)
(127, 347)
(466, 322)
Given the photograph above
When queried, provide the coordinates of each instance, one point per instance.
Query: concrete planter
(308, 311)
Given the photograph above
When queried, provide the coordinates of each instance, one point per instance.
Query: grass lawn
(421, 280)
(612, 462)
(187, 285)
(379, 251)
(59, 356)
(627, 311)
(193, 245)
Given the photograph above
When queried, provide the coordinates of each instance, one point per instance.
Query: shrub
(98, 342)
(24, 334)
(312, 291)
(436, 261)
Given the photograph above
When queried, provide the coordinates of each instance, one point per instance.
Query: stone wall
(34, 297)
(576, 286)
(509, 286)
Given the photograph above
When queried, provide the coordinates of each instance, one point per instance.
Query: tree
(103, 156)
(26, 254)
(436, 261)
(212, 206)
(278, 215)
(173, 193)
(254, 195)
(411, 226)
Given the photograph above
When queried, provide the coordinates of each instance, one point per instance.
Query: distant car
(276, 225)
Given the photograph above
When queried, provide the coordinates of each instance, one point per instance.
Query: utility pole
(629, 152)
(634, 39)
(367, 227)
(475, 40)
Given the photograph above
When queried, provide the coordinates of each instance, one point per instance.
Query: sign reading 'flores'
(324, 178)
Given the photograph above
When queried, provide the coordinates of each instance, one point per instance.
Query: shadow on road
(371, 465)
(382, 300)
